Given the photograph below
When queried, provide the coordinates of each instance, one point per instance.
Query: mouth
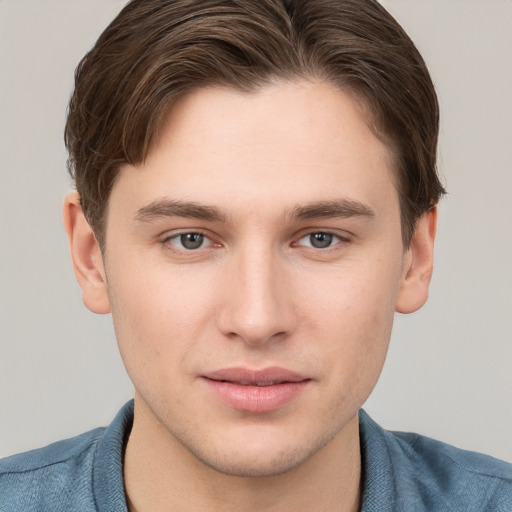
(255, 383)
(256, 391)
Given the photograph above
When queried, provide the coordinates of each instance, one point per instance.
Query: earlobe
(418, 265)
(86, 256)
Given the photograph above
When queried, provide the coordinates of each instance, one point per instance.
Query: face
(253, 265)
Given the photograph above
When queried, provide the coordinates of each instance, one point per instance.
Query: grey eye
(321, 240)
(191, 241)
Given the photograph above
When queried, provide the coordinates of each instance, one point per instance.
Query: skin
(255, 294)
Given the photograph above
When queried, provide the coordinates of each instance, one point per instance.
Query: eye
(189, 241)
(319, 240)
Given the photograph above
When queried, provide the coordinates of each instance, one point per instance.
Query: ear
(418, 265)
(86, 256)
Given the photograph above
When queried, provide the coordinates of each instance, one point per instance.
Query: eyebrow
(172, 208)
(344, 208)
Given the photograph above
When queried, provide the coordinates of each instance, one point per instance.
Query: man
(256, 197)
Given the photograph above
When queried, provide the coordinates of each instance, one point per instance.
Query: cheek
(353, 317)
(158, 317)
(357, 296)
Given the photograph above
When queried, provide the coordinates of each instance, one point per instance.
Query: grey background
(448, 373)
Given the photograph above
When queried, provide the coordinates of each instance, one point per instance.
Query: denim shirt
(401, 473)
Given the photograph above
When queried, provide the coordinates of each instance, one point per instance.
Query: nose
(257, 305)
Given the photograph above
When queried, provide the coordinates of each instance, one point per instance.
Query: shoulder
(51, 477)
(83, 473)
(433, 475)
(435, 454)
(461, 477)
(51, 455)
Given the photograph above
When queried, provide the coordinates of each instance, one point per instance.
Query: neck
(162, 475)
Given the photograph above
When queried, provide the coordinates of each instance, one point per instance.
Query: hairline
(361, 103)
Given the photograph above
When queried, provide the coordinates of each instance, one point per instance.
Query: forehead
(289, 142)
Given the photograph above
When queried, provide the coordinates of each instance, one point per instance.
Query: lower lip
(257, 398)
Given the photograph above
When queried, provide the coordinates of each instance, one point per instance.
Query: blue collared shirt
(401, 473)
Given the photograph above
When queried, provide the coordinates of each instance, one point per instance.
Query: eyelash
(332, 237)
(168, 241)
(179, 236)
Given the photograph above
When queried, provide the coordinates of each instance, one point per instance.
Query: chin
(240, 465)
(264, 459)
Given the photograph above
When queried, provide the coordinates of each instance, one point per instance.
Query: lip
(256, 391)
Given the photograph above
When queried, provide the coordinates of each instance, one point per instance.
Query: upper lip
(247, 376)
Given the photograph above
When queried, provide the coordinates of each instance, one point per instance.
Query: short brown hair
(156, 51)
